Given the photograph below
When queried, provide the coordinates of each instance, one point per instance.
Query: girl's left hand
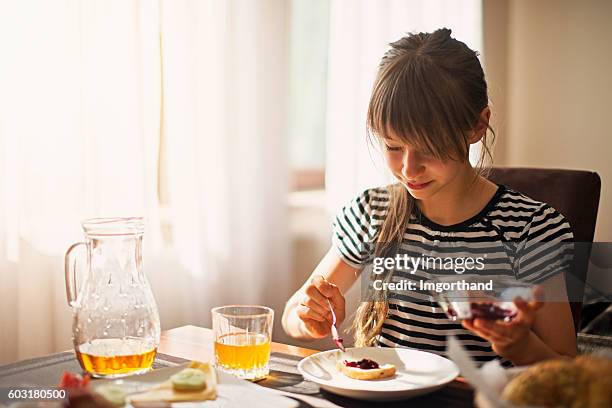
(508, 338)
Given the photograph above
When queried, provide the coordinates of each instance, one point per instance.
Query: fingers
(527, 311)
(537, 303)
(331, 292)
(327, 289)
(306, 313)
(523, 307)
(315, 305)
(322, 309)
(492, 328)
(315, 294)
(468, 324)
(482, 329)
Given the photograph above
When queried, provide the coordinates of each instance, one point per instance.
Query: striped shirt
(414, 318)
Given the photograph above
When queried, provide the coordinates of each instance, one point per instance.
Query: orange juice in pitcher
(115, 326)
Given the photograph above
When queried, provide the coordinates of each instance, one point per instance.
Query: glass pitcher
(115, 327)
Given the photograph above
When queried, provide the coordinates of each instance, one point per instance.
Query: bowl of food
(477, 296)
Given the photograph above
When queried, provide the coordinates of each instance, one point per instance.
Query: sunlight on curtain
(79, 131)
(225, 93)
(359, 35)
(92, 92)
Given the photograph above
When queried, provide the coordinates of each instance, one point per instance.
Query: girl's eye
(393, 148)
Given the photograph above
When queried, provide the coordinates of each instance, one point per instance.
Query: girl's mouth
(417, 186)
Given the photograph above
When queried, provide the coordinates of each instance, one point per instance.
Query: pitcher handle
(70, 276)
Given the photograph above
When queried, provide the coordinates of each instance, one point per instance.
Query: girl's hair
(429, 92)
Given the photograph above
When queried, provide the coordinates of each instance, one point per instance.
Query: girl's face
(421, 173)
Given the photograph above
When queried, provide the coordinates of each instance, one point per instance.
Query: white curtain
(94, 94)
(360, 31)
(224, 67)
(79, 120)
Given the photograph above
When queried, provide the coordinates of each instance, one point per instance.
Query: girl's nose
(412, 166)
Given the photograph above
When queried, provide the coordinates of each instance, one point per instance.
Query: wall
(548, 65)
(310, 225)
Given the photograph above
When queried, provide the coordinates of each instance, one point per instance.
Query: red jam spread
(364, 364)
(487, 310)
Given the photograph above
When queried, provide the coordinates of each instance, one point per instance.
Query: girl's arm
(306, 314)
(553, 334)
(540, 331)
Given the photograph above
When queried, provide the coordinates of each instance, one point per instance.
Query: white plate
(417, 373)
(231, 391)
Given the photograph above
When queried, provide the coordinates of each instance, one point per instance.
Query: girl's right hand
(314, 311)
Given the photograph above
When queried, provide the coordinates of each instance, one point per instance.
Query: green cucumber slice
(189, 379)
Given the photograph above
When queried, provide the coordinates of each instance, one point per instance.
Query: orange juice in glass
(242, 340)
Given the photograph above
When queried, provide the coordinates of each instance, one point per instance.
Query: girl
(429, 104)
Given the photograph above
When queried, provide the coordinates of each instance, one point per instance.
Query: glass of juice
(242, 340)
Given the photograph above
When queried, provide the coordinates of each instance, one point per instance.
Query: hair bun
(443, 33)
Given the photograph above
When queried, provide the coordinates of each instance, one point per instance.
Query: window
(308, 47)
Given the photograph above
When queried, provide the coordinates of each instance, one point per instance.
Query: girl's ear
(481, 127)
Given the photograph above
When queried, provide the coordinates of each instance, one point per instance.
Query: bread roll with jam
(365, 369)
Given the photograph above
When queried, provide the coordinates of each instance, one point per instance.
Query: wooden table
(196, 343)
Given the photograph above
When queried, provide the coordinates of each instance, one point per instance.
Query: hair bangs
(410, 104)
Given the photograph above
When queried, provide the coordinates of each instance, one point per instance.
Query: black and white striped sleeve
(356, 226)
(546, 247)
